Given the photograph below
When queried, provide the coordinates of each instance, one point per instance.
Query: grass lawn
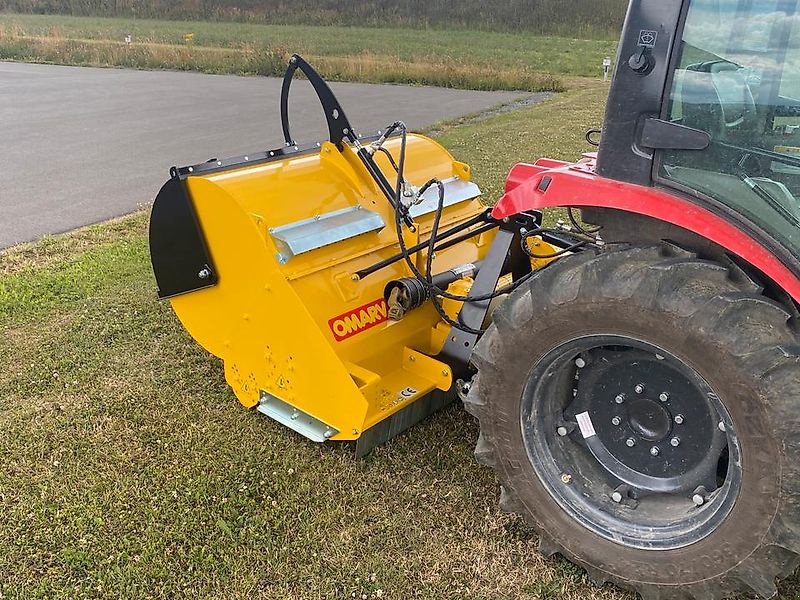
(480, 60)
(129, 470)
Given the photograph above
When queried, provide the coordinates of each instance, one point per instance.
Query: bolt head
(562, 431)
(654, 451)
(580, 363)
(566, 478)
(630, 442)
(616, 497)
(721, 426)
(639, 389)
(620, 398)
(616, 421)
(679, 419)
(663, 396)
(698, 500)
(204, 274)
(675, 442)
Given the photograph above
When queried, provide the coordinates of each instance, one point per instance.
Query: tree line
(575, 18)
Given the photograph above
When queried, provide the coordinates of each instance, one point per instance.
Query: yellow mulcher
(288, 266)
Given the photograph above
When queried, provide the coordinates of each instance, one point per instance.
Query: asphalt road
(82, 145)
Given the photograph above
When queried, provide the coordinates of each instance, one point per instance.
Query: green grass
(577, 18)
(482, 60)
(130, 471)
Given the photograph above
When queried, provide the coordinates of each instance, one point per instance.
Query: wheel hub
(649, 420)
(655, 429)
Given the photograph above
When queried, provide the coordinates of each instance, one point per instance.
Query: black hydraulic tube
(484, 218)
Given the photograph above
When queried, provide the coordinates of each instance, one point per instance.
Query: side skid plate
(288, 415)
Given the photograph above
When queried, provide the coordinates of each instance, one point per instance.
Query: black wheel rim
(631, 441)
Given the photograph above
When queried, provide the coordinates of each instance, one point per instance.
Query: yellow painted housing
(302, 328)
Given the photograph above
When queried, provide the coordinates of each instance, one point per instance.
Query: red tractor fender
(551, 183)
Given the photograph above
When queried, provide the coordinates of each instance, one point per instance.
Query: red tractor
(638, 388)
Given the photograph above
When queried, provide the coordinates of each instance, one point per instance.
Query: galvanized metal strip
(455, 190)
(304, 236)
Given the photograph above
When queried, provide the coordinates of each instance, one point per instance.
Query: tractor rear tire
(711, 322)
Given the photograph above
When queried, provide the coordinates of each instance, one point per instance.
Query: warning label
(585, 424)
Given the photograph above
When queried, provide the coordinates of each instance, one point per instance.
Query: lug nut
(619, 494)
(639, 389)
(562, 431)
(679, 419)
(721, 426)
(566, 478)
(663, 396)
(620, 398)
(699, 495)
(675, 442)
(580, 363)
(654, 451)
(630, 442)
(616, 421)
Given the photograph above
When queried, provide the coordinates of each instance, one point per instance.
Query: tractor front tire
(640, 409)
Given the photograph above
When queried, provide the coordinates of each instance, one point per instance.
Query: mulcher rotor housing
(635, 371)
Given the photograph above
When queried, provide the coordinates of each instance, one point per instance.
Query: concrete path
(82, 145)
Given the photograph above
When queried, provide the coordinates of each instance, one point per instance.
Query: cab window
(738, 79)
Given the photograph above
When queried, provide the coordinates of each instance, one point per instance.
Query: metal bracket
(459, 346)
(339, 126)
(505, 255)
